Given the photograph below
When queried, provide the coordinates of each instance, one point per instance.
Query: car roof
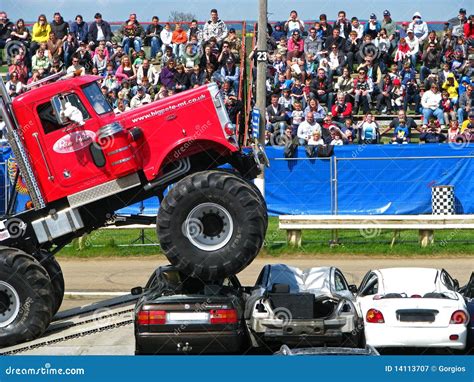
(317, 278)
(394, 278)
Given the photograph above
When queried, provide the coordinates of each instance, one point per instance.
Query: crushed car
(178, 314)
(413, 307)
(302, 308)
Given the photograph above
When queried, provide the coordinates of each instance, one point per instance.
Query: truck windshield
(97, 99)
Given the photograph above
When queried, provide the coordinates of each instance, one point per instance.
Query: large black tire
(25, 297)
(49, 262)
(211, 225)
(258, 194)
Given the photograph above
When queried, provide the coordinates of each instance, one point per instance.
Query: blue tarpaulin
(358, 179)
(369, 179)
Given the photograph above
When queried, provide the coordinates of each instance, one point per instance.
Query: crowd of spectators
(179, 57)
(322, 75)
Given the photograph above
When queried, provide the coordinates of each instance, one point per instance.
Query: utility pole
(262, 59)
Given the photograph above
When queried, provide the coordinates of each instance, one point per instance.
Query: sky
(118, 10)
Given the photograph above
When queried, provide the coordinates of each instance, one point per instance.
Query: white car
(413, 307)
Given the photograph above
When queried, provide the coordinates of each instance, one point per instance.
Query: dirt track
(121, 274)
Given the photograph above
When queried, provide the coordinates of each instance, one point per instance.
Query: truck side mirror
(137, 291)
(353, 288)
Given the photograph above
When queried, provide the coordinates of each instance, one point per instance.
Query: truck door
(64, 145)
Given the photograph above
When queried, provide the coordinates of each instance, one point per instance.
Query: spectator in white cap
(420, 28)
(414, 45)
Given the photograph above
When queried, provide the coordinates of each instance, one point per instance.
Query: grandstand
(411, 54)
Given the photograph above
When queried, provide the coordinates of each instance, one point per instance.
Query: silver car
(303, 308)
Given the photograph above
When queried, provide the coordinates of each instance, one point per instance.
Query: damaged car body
(302, 308)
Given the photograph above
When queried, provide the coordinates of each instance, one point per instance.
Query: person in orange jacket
(179, 40)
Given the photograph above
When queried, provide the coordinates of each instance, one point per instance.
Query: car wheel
(25, 297)
(211, 225)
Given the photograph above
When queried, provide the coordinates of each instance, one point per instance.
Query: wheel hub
(209, 226)
(9, 304)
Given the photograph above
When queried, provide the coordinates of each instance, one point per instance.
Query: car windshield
(97, 99)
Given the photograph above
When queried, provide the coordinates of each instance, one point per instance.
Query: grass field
(110, 243)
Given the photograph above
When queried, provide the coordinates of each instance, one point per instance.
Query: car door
(468, 290)
(65, 146)
(340, 285)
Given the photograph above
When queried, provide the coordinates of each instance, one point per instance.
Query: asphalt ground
(122, 274)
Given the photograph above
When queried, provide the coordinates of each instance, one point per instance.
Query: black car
(178, 314)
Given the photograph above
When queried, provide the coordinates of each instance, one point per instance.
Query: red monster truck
(81, 163)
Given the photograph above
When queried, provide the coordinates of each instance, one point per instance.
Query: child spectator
(307, 90)
(345, 85)
(401, 53)
(368, 130)
(348, 130)
(401, 134)
(397, 94)
(179, 38)
(310, 65)
(453, 131)
(451, 87)
(412, 95)
(337, 138)
(385, 96)
(166, 36)
(457, 63)
(393, 73)
(278, 31)
(279, 65)
(363, 88)
(407, 74)
(432, 133)
(286, 101)
(448, 107)
(282, 47)
(315, 139)
(297, 92)
(297, 116)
